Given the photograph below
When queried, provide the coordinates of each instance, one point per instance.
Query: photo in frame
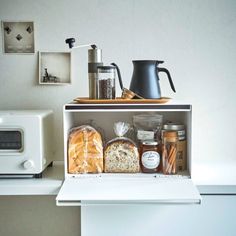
(18, 37)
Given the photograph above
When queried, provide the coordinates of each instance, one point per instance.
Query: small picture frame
(18, 37)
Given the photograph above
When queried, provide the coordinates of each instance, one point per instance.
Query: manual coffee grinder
(94, 60)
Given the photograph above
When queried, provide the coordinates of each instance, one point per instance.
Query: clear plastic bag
(148, 126)
(121, 154)
(85, 150)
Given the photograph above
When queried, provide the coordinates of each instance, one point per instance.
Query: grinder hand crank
(94, 60)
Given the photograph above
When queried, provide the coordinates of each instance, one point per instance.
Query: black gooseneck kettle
(145, 79)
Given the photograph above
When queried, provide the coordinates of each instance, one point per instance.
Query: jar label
(145, 135)
(181, 132)
(150, 159)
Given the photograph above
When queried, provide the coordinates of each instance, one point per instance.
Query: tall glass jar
(169, 152)
(106, 82)
(181, 161)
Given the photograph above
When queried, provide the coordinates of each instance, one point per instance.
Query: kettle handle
(160, 69)
(119, 75)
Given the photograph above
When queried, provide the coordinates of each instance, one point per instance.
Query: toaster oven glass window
(11, 140)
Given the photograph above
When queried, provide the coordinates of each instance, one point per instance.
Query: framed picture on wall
(18, 37)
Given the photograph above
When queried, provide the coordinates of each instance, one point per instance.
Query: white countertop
(49, 184)
(206, 177)
(215, 177)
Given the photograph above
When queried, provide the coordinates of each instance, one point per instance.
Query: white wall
(195, 38)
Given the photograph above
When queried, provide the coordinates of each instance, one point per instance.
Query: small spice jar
(150, 156)
(106, 82)
(176, 127)
(169, 152)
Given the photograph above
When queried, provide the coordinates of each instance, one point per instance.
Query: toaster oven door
(11, 141)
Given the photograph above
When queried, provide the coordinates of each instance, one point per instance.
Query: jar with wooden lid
(169, 152)
(150, 156)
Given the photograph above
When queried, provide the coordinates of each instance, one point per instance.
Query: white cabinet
(140, 188)
(214, 217)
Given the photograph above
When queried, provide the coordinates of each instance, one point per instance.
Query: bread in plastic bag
(85, 150)
(121, 154)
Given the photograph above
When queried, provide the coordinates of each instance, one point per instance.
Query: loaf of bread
(121, 156)
(85, 150)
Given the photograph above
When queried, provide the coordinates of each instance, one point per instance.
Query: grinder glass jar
(106, 82)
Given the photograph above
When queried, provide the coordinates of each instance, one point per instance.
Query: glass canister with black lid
(106, 82)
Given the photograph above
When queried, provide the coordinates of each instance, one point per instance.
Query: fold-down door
(138, 190)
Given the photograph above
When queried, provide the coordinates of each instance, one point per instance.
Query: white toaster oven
(25, 142)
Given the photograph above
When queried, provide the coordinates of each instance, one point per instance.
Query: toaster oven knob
(28, 164)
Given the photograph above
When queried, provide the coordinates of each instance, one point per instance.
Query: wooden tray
(84, 100)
